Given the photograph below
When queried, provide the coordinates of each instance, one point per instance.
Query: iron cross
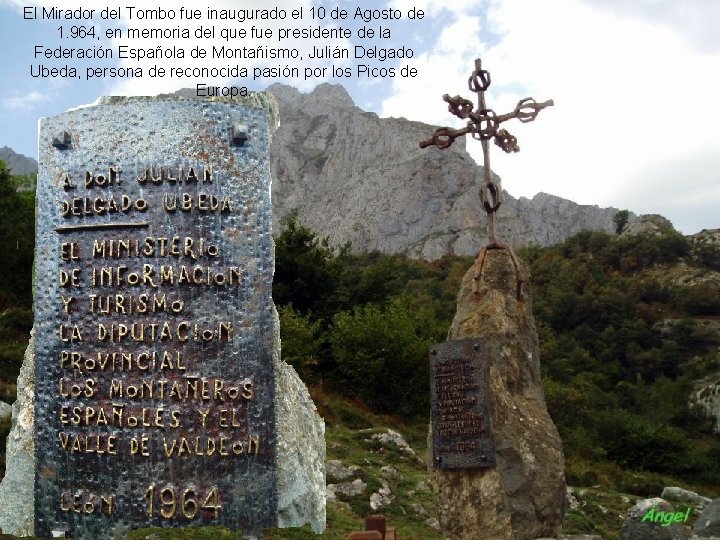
(483, 124)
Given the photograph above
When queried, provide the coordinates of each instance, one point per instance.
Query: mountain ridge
(18, 163)
(387, 194)
(354, 177)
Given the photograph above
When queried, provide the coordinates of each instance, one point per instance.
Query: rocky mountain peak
(355, 177)
(652, 224)
(706, 247)
(358, 178)
(17, 163)
(325, 96)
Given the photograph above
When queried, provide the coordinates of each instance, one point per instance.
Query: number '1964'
(171, 501)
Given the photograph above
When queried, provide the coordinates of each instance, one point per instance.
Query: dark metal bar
(99, 226)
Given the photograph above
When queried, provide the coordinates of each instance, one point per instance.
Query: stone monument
(496, 459)
(160, 397)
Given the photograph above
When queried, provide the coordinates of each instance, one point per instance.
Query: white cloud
(628, 93)
(304, 46)
(635, 84)
(150, 86)
(444, 70)
(696, 21)
(684, 186)
(25, 101)
(433, 8)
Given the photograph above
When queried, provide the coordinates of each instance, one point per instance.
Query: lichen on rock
(524, 496)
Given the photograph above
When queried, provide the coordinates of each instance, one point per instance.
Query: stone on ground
(708, 524)
(17, 502)
(636, 529)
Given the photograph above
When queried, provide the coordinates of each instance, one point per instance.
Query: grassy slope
(600, 509)
(604, 491)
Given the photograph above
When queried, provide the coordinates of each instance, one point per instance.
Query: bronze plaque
(461, 428)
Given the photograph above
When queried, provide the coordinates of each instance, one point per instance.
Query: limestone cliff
(355, 177)
(358, 178)
(17, 163)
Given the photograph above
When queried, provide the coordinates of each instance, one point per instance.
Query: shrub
(301, 340)
(620, 219)
(637, 442)
(307, 270)
(381, 355)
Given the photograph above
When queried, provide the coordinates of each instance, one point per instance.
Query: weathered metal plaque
(154, 320)
(461, 424)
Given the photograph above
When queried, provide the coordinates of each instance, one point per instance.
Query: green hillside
(626, 327)
(17, 245)
(618, 320)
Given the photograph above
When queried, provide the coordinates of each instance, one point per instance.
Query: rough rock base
(524, 496)
(17, 502)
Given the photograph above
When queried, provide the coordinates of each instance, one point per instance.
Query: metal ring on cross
(507, 141)
(459, 106)
(492, 202)
(526, 110)
(483, 124)
(479, 81)
(443, 138)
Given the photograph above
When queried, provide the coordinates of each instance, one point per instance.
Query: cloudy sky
(635, 86)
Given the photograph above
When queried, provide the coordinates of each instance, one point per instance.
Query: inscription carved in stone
(154, 319)
(461, 429)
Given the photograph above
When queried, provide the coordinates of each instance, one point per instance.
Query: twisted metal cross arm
(484, 124)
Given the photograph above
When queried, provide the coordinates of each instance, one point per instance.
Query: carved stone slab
(154, 319)
(461, 428)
